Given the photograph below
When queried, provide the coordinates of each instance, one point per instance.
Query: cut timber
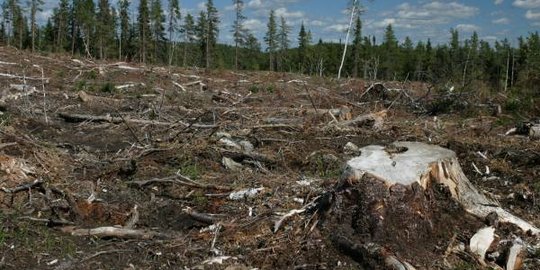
(377, 120)
(86, 98)
(534, 132)
(407, 163)
(107, 232)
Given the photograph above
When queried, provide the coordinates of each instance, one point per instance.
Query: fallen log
(11, 76)
(115, 232)
(374, 119)
(84, 97)
(78, 118)
(179, 180)
(534, 132)
(239, 156)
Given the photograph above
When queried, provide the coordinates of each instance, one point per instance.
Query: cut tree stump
(407, 197)
(408, 163)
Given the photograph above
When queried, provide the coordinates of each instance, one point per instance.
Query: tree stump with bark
(403, 204)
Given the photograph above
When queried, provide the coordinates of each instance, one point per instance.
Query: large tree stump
(406, 199)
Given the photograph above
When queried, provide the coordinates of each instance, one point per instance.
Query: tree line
(100, 30)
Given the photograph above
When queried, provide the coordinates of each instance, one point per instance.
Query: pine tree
(189, 33)
(84, 23)
(174, 17)
(202, 37)
(143, 21)
(157, 19)
(124, 27)
(271, 39)
(60, 21)
(390, 46)
(105, 28)
(212, 30)
(357, 45)
(2, 33)
(284, 42)
(239, 33)
(302, 47)
(35, 6)
(18, 22)
(253, 51)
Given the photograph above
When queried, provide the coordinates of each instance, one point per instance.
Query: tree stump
(407, 201)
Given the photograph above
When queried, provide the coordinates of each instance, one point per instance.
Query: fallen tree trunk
(11, 76)
(78, 118)
(106, 232)
(409, 197)
(374, 119)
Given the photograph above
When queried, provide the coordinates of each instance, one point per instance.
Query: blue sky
(419, 19)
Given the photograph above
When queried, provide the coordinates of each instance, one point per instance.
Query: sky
(418, 19)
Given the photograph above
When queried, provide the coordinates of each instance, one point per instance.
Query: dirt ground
(163, 150)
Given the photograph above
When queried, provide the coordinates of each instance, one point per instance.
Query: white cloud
(254, 25)
(501, 21)
(531, 15)
(425, 15)
(337, 28)
(498, 2)
(468, 28)
(527, 3)
(317, 23)
(283, 12)
(256, 4)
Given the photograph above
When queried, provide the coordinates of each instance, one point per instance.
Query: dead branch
(291, 213)
(174, 180)
(205, 218)
(4, 145)
(84, 97)
(236, 155)
(23, 187)
(49, 221)
(11, 76)
(133, 219)
(108, 231)
(78, 118)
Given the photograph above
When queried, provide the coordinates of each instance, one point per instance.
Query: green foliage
(108, 87)
(95, 29)
(5, 119)
(190, 170)
(80, 86)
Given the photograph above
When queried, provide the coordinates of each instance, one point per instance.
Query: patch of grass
(325, 167)
(81, 85)
(91, 75)
(271, 88)
(465, 266)
(199, 199)
(5, 119)
(254, 89)
(108, 88)
(190, 170)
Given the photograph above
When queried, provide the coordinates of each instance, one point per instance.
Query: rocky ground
(188, 169)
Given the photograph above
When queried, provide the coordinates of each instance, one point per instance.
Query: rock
(232, 165)
(246, 146)
(245, 193)
(351, 149)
